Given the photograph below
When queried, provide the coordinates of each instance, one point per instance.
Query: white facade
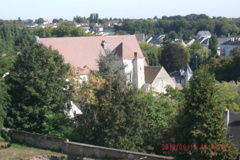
(134, 70)
(228, 46)
(161, 81)
(138, 72)
(226, 49)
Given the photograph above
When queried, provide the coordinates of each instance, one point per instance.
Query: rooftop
(85, 51)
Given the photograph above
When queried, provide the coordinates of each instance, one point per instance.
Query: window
(230, 136)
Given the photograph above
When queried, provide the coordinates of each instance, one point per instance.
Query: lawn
(21, 152)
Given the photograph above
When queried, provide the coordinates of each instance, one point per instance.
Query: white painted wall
(138, 72)
(226, 49)
(162, 80)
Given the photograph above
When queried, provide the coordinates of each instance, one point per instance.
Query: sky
(67, 9)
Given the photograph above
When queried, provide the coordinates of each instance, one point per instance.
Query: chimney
(226, 117)
(135, 55)
(104, 44)
(105, 47)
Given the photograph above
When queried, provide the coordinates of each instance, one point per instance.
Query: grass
(22, 152)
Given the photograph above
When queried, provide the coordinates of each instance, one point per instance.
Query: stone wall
(37, 140)
(79, 149)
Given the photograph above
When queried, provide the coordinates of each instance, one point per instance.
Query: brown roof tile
(151, 73)
(81, 51)
(124, 52)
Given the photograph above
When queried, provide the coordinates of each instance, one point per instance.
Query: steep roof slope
(151, 73)
(81, 51)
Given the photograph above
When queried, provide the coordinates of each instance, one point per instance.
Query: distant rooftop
(232, 41)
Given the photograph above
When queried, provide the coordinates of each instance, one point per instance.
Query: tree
(235, 51)
(173, 57)
(4, 100)
(38, 86)
(93, 18)
(19, 19)
(114, 116)
(39, 21)
(225, 68)
(199, 55)
(79, 19)
(151, 53)
(6, 63)
(200, 125)
(161, 112)
(213, 44)
(55, 20)
(172, 35)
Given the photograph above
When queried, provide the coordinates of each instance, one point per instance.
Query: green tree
(199, 55)
(225, 68)
(79, 19)
(114, 116)
(151, 53)
(4, 100)
(213, 44)
(94, 18)
(39, 21)
(55, 20)
(37, 84)
(235, 51)
(172, 35)
(161, 112)
(200, 124)
(173, 57)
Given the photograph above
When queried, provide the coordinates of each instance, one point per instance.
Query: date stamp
(180, 147)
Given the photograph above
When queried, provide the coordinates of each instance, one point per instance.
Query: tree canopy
(200, 125)
(151, 53)
(37, 84)
(173, 57)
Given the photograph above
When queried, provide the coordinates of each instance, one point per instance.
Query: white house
(84, 51)
(228, 46)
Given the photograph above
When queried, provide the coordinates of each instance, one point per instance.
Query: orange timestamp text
(172, 147)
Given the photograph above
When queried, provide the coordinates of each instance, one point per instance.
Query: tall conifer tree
(200, 125)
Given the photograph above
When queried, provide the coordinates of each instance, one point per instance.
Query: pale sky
(67, 9)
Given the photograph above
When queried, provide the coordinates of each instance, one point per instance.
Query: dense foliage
(226, 68)
(183, 27)
(151, 53)
(200, 125)
(64, 30)
(213, 45)
(118, 115)
(199, 55)
(37, 84)
(173, 57)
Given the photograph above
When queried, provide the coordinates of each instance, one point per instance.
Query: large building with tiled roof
(83, 52)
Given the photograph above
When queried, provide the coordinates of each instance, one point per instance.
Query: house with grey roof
(182, 76)
(156, 40)
(203, 38)
(228, 46)
(221, 41)
(232, 125)
(204, 34)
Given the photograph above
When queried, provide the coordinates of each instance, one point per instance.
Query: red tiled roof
(124, 52)
(81, 51)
